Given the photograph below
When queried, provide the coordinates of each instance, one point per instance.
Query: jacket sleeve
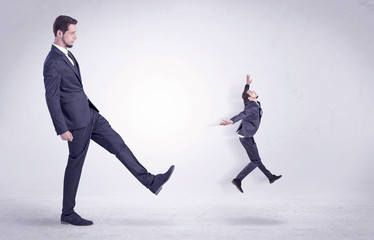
(52, 80)
(247, 112)
(244, 94)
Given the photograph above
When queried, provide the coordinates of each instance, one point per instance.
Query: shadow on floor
(253, 221)
(144, 222)
(41, 222)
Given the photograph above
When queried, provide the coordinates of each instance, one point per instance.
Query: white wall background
(164, 73)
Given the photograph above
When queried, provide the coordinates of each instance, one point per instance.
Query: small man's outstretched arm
(240, 116)
(249, 80)
(245, 98)
(226, 122)
(246, 88)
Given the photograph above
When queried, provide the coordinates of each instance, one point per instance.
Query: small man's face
(252, 94)
(70, 36)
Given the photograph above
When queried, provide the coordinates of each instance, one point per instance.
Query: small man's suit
(251, 119)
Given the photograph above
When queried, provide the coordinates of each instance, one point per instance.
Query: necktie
(70, 57)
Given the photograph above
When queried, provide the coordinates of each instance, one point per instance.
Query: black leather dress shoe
(275, 178)
(75, 219)
(238, 184)
(160, 179)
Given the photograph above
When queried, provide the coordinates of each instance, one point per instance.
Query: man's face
(70, 36)
(252, 94)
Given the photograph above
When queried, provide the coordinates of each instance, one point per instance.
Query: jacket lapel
(71, 66)
(67, 61)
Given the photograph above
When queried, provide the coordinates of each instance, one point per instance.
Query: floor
(256, 214)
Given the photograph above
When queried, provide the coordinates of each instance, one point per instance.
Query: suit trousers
(250, 146)
(100, 132)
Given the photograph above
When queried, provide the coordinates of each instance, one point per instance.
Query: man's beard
(67, 45)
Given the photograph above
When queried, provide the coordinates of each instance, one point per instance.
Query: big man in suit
(251, 118)
(78, 121)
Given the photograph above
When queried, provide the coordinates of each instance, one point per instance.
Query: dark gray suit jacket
(67, 103)
(250, 116)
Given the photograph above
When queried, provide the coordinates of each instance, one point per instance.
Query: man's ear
(59, 33)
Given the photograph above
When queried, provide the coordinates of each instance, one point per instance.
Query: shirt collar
(65, 51)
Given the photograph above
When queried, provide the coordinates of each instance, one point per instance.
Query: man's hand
(226, 122)
(67, 136)
(249, 80)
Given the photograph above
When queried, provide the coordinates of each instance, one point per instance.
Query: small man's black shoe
(275, 178)
(238, 184)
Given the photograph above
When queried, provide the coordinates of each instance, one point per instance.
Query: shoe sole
(158, 190)
(67, 223)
